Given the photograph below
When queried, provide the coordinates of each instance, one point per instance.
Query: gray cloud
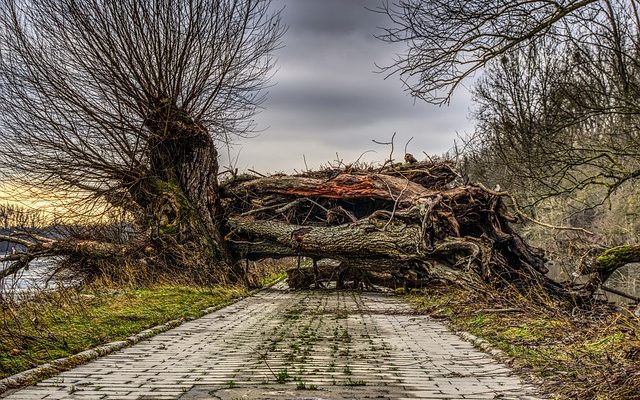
(331, 17)
(327, 98)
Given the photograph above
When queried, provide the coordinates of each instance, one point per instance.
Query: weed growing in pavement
(283, 376)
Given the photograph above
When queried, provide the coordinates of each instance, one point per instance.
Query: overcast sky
(327, 98)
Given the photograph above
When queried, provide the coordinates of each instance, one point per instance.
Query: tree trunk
(367, 219)
(608, 262)
(180, 198)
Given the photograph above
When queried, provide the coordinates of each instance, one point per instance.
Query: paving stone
(282, 344)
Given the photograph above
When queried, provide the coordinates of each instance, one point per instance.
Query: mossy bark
(614, 258)
(180, 197)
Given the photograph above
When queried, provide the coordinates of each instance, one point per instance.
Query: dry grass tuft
(580, 354)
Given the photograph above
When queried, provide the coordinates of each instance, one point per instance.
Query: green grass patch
(272, 278)
(59, 325)
(533, 330)
(477, 323)
(438, 304)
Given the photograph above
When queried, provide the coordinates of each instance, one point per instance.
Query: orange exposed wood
(343, 186)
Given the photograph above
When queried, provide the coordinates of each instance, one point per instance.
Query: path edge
(48, 370)
(486, 347)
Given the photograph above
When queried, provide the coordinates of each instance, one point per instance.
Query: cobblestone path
(294, 345)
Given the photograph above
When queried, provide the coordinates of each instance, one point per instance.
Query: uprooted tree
(395, 225)
(400, 224)
(124, 103)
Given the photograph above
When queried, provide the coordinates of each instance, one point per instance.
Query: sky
(326, 96)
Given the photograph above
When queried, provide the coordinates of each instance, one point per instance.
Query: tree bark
(365, 218)
(606, 263)
(179, 196)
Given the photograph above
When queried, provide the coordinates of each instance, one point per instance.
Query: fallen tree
(397, 225)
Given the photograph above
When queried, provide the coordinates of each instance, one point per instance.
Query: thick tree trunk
(175, 199)
(180, 199)
(364, 239)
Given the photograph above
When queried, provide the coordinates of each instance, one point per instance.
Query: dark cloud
(327, 98)
(331, 17)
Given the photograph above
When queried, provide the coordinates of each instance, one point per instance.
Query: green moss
(270, 279)
(521, 332)
(38, 333)
(183, 116)
(616, 257)
(477, 323)
(536, 357)
(604, 344)
(531, 330)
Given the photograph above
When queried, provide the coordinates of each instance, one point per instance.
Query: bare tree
(447, 41)
(544, 126)
(124, 102)
(563, 115)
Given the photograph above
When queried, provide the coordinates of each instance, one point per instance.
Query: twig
(348, 214)
(527, 217)
(497, 310)
(34, 236)
(226, 171)
(13, 239)
(16, 266)
(306, 167)
(265, 208)
(264, 358)
(288, 206)
(256, 172)
(620, 293)
(316, 203)
(361, 155)
(407, 145)
(244, 241)
(395, 204)
(14, 257)
(390, 159)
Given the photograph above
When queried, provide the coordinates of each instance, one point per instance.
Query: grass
(301, 385)
(272, 278)
(588, 354)
(56, 325)
(283, 376)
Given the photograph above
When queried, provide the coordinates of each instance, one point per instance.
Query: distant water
(30, 280)
(626, 279)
